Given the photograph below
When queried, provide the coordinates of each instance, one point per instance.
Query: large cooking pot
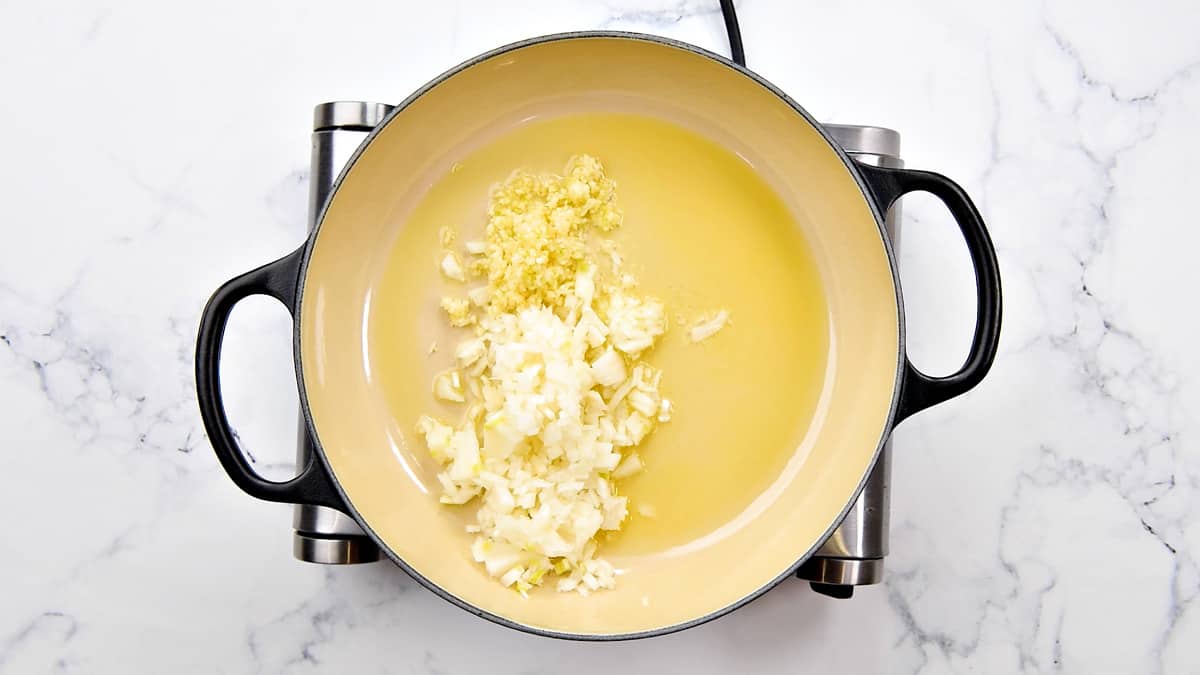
(358, 468)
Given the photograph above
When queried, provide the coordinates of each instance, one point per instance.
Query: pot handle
(919, 391)
(279, 280)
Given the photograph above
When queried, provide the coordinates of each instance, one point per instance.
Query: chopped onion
(448, 386)
(664, 411)
(452, 267)
(707, 328)
(557, 398)
(469, 351)
(479, 296)
(628, 466)
(608, 369)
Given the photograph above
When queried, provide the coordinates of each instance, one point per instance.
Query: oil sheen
(702, 231)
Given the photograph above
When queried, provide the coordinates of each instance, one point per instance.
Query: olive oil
(702, 231)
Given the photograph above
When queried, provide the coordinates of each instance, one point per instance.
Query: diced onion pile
(555, 393)
(556, 396)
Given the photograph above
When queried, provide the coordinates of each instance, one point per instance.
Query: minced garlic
(452, 267)
(556, 397)
(538, 229)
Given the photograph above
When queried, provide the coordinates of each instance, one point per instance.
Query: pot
(361, 470)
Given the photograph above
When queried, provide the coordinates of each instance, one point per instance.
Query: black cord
(735, 34)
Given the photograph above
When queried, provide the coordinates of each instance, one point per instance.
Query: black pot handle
(919, 391)
(278, 280)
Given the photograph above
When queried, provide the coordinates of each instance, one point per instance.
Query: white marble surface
(1047, 521)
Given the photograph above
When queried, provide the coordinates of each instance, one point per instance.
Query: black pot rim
(447, 595)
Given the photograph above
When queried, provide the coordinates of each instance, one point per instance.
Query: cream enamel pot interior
(836, 202)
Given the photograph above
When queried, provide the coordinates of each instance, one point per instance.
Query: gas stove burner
(851, 556)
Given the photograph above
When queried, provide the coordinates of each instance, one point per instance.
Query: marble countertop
(1046, 521)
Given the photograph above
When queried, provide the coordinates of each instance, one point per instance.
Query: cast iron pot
(326, 284)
